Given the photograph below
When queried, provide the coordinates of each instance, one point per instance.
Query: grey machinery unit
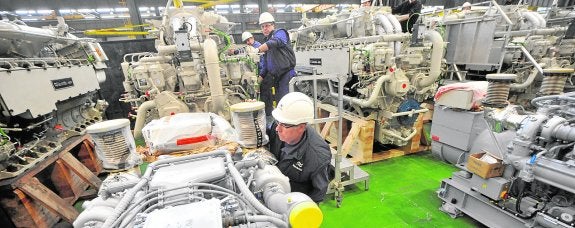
(505, 39)
(453, 133)
(537, 187)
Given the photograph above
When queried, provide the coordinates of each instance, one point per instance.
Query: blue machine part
(408, 105)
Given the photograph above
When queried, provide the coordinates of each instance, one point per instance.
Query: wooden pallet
(44, 194)
(358, 139)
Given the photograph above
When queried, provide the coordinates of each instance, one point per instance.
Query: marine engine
(203, 190)
(388, 73)
(48, 84)
(191, 72)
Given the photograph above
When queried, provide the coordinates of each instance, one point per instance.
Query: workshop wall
(112, 88)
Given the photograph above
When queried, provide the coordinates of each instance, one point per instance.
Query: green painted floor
(401, 194)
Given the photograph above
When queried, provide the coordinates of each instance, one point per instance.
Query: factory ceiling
(9, 5)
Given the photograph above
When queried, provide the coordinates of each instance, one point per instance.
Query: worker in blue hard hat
(278, 63)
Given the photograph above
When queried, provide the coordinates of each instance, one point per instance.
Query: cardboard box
(476, 165)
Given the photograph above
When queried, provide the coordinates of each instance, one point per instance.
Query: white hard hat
(246, 36)
(266, 18)
(364, 1)
(294, 108)
(466, 4)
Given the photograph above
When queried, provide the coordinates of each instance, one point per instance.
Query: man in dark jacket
(277, 65)
(408, 12)
(303, 156)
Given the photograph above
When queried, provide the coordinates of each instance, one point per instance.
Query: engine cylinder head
(554, 81)
(498, 89)
(249, 120)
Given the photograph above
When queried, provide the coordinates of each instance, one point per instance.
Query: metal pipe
(555, 173)
(535, 101)
(526, 83)
(413, 111)
(96, 214)
(166, 49)
(141, 117)
(542, 20)
(505, 17)
(325, 25)
(457, 72)
(404, 139)
(436, 57)
(531, 18)
(155, 59)
(367, 39)
(541, 31)
(385, 25)
(125, 201)
(397, 30)
(263, 218)
(529, 57)
(247, 193)
(214, 79)
(371, 100)
(164, 19)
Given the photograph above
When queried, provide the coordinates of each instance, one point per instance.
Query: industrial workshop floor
(401, 194)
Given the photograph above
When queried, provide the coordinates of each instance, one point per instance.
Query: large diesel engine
(191, 71)
(388, 73)
(507, 39)
(202, 190)
(535, 185)
(48, 82)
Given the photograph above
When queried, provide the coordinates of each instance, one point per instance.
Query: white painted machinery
(202, 190)
(191, 71)
(48, 82)
(388, 73)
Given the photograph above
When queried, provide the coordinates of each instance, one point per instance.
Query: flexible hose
(264, 218)
(244, 189)
(565, 97)
(125, 201)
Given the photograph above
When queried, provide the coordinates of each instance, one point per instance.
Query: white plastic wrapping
(186, 131)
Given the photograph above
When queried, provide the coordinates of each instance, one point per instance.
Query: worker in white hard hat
(302, 154)
(466, 7)
(248, 39)
(365, 3)
(277, 64)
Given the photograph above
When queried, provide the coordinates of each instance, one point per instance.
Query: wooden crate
(44, 194)
(358, 137)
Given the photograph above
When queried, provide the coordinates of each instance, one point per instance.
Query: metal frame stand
(337, 185)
